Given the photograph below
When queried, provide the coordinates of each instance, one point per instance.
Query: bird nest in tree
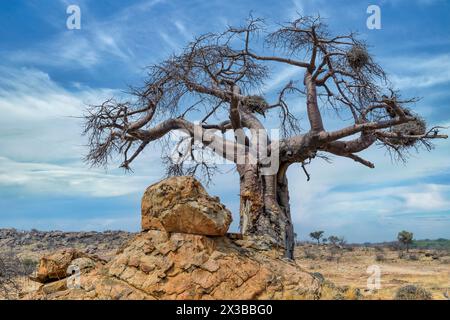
(256, 103)
(357, 57)
(412, 128)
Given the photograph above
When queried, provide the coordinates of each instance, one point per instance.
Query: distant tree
(316, 235)
(297, 241)
(405, 238)
(324, 240)
(334, 240)
(341, 241)
(337, 241)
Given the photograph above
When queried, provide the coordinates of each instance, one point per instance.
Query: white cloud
(420, 72)
(41, 145)
(98, 41)
(170, 41)
(427, 198)
(41, 123)
(308, 7)
(183, 30)
(69, 179)
(281, 78)
(343, 191)
(419, 2)
(298, 8)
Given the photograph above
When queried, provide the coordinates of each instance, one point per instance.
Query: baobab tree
(215, 86)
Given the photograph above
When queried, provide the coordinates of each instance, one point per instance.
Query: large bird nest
(412, 128)
(357, 57)
(256, 103)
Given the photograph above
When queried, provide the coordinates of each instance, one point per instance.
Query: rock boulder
(54, 267)
(181, 204)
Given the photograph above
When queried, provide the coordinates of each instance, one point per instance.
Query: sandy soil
(349, 267)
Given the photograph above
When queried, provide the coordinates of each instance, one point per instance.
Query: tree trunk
(265, 210)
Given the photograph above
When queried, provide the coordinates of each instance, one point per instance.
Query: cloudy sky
(48, 74)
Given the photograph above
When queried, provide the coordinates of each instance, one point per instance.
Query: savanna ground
(345, 265)
(348, 266)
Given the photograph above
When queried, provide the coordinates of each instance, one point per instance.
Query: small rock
(54, 266)
(54, 287)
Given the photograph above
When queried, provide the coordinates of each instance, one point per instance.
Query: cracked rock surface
(181, 204)
(161, 265)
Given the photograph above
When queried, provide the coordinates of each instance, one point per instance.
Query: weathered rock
(160, 265)
(181, 204)
(84, 263)
(54, 267)
(53, 287)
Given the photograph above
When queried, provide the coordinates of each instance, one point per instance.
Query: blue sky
(48, 74)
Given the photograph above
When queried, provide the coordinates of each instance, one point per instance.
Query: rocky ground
(184, 252)
(159, 265)
(21, 251)
(33, 244)
(123, 261)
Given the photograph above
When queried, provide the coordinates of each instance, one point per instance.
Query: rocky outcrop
(181, 204)
(184, 254)
(161, 265)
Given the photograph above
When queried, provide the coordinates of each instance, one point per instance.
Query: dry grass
(349, 268)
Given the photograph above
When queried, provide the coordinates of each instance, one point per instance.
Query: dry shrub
(318, 276)
(413, 257)
(379, 249)
(9, 273)
(12, 269)
(445, 260)
(401, 255)
(310, 254)
(380, 257)
(413, 292)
